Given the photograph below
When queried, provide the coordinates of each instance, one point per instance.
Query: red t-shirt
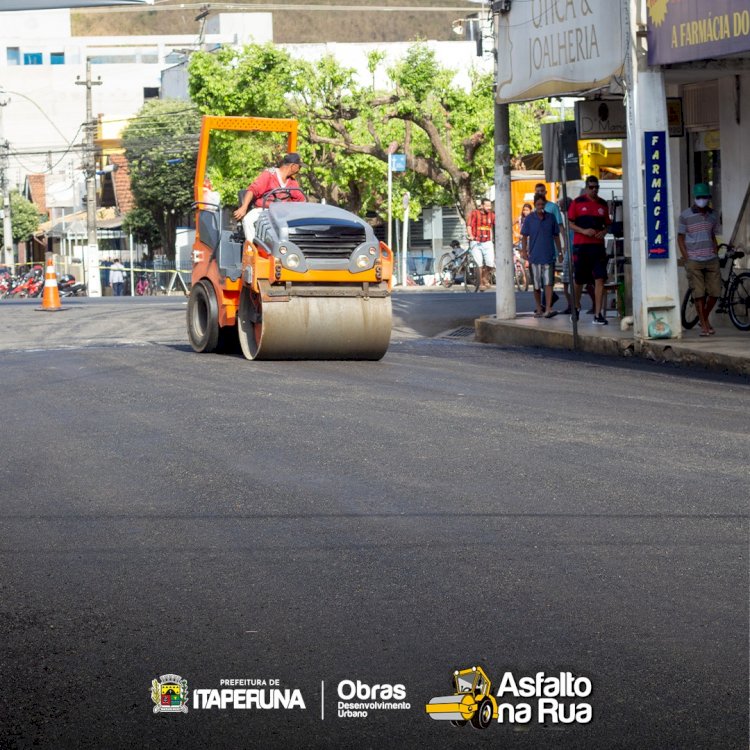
(269, 180)
(481, 225)
(588, 213)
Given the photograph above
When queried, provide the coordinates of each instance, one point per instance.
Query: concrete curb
(728, 354)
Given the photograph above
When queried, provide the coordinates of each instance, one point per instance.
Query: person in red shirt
(588, 217)
(270, 179)
(481, 231)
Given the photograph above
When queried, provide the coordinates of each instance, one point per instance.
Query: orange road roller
(314, 282)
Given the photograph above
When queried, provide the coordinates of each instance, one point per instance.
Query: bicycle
(520, 277)
(458, 267)
(735, 294)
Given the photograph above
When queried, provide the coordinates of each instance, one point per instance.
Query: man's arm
(681, 245)
(470, 226)
(556, 237)
(243, 209)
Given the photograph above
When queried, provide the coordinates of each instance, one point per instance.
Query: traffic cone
(51, 295)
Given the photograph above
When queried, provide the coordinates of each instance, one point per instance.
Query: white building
(40, 61)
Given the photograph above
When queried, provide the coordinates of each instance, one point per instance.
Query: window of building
(151, 92)
(13, 56)
(57, 58)
(112, 59)
(32, 58)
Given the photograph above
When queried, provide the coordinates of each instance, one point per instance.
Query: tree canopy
(160, 145)
(24, 217)
(445, 132)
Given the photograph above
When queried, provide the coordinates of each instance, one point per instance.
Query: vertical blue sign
(657, 220)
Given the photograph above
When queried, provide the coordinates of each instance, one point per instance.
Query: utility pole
(505, 296)
(5, 187)
(91, 261)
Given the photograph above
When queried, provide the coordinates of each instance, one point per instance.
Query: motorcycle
(30, 285)
(68, 287)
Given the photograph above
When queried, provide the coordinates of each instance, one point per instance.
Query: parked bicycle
(520, 276)
(458, 267)
(735, 293)
(147, 284)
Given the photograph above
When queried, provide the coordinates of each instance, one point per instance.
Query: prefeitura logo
(169, 694)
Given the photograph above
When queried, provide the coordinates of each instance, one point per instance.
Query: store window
(57, 58)
(13, 56)
(32, 58)
(705, 147)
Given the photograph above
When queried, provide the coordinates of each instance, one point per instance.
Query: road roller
(314, 283)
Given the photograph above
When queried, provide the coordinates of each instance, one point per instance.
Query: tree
(445, 132)
(140, 223)
(525, 126)
(24, 217)
(161, 145)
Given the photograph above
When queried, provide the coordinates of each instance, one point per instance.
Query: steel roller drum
(314, 327)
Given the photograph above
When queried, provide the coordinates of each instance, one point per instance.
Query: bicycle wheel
(520, 277)
(445, 275)
(471, 276)
(688, 313)
(739, 301)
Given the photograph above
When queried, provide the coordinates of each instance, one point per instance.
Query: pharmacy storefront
(679, 70)
(703, 51)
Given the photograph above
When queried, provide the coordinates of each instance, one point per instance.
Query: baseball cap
(702, 190)
(293, 158)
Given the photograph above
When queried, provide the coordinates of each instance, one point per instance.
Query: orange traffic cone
(51, 296)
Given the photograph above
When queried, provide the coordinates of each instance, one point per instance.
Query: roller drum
(314, 327)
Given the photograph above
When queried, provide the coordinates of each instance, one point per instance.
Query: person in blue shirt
(540, 245)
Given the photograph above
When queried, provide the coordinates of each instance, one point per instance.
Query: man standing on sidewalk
(481, 231)
(540, 237)
(696, 238)
(117, 277)
(588, 217)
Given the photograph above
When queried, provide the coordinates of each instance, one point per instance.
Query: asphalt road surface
(308, 526)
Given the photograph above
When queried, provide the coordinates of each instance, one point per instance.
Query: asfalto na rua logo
(550, 701)
(169, 694)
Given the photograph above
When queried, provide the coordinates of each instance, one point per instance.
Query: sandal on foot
(550, 314)
(538, 315)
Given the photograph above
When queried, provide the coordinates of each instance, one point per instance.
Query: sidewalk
(727, 351)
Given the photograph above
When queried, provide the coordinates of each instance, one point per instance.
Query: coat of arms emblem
(169, 694)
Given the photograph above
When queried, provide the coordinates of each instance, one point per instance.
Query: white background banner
(554, 47)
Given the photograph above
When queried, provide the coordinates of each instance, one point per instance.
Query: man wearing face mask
(696, 238)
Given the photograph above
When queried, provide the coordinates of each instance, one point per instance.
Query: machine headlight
(362, 261)
(373, 250)
(283, 250)
(292, 260)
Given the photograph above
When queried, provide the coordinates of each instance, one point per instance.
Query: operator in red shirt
(269, 179)
(588, 217)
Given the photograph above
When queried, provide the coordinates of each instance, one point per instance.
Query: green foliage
(254, 81)
(525, 130)
(140, 223)
(161, 144)
(347, 128)
(24, 217)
